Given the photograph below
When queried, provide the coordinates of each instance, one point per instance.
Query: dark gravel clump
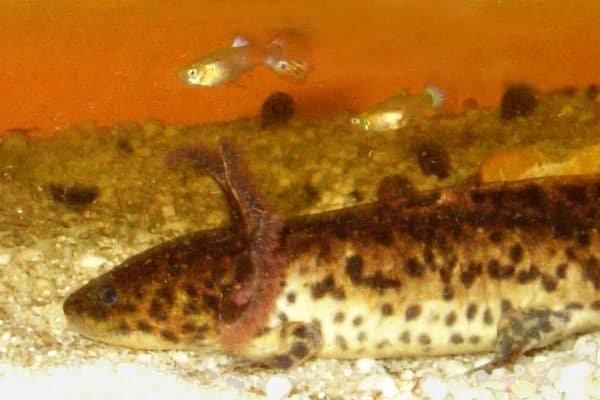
(517, 101)
(278, 108)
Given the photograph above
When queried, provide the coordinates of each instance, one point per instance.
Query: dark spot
(282, 317)
(387, 309)
(165, 293)
(384, 236)
(362, 336)
(592, 91)
(424, 339)
(505, 305)
(156, 311)
(190, 290)
(570, 254)
(76, 195)
(549, 283)
(300, 332)
(123, 326)
(340, 341)
(477, 196)
(291, 297)
(591, 271)
(527, 276)
(412, 312)
(456, 338)
(188, 328)
(450, 318)
(405, 337)
(474, 339)
(170, 336)
(574, 193)
(517, 101)
(496, 237)
(320, 289)
(516, 253)
(583, 238)
(467, 277)
(282, 361)
(393, 187)
(470, 103)
(145, 327)
(380, 282)
(448, 292)
(414, 268)
(211, 302)
(357, 321)
(108, 296)
(354, 266)
(278, 108)
(191, 308)
(339, 317)
(125, 145)
(497, 271)
(433, 159)
(561, 270)
(428, 255)
(595, 305)
(574, 305)
(471, 311)
(299, 350)
(382, 344)
(488, 319)
(311, 193)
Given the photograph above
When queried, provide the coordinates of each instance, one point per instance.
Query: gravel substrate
(52, 243)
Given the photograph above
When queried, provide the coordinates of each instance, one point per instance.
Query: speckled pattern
(48, 249)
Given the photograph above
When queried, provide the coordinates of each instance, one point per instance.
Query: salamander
(505, 267)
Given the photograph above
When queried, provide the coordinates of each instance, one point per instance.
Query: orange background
(66, 61)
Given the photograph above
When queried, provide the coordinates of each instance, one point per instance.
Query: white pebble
(548, 393)
(379, 383)
(571, 379)
(91, 261)
(235, 382)
(523, 389)
(434, 388)
(5, 258)
(407, 375)
(180, 357)
(278, 387)
(365, 365)
(31, 255)
(347, 372)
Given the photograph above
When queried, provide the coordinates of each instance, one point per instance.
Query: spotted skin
(493, 268)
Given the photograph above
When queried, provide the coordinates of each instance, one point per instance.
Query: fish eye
(108, 296)
(355, 121)
(283, 65)
(192, 72)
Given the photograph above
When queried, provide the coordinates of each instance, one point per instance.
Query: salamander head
(158, 300)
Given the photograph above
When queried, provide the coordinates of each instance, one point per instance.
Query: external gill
(251, 217)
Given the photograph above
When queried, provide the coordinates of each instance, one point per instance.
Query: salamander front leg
(285, 346)
(520, 331)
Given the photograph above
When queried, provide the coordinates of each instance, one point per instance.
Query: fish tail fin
(437, 96)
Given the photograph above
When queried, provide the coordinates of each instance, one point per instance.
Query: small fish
(225, 65)
(395, 112)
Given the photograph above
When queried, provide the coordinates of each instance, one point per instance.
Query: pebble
(278, 387)
(572, 377)
(5, 258)
(365, 365)
(434, 388)
(91, 261)
(523, 389)
(31, 255)
(548, 393)
(383, 384)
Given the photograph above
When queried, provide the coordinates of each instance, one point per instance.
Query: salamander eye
(108, 296)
